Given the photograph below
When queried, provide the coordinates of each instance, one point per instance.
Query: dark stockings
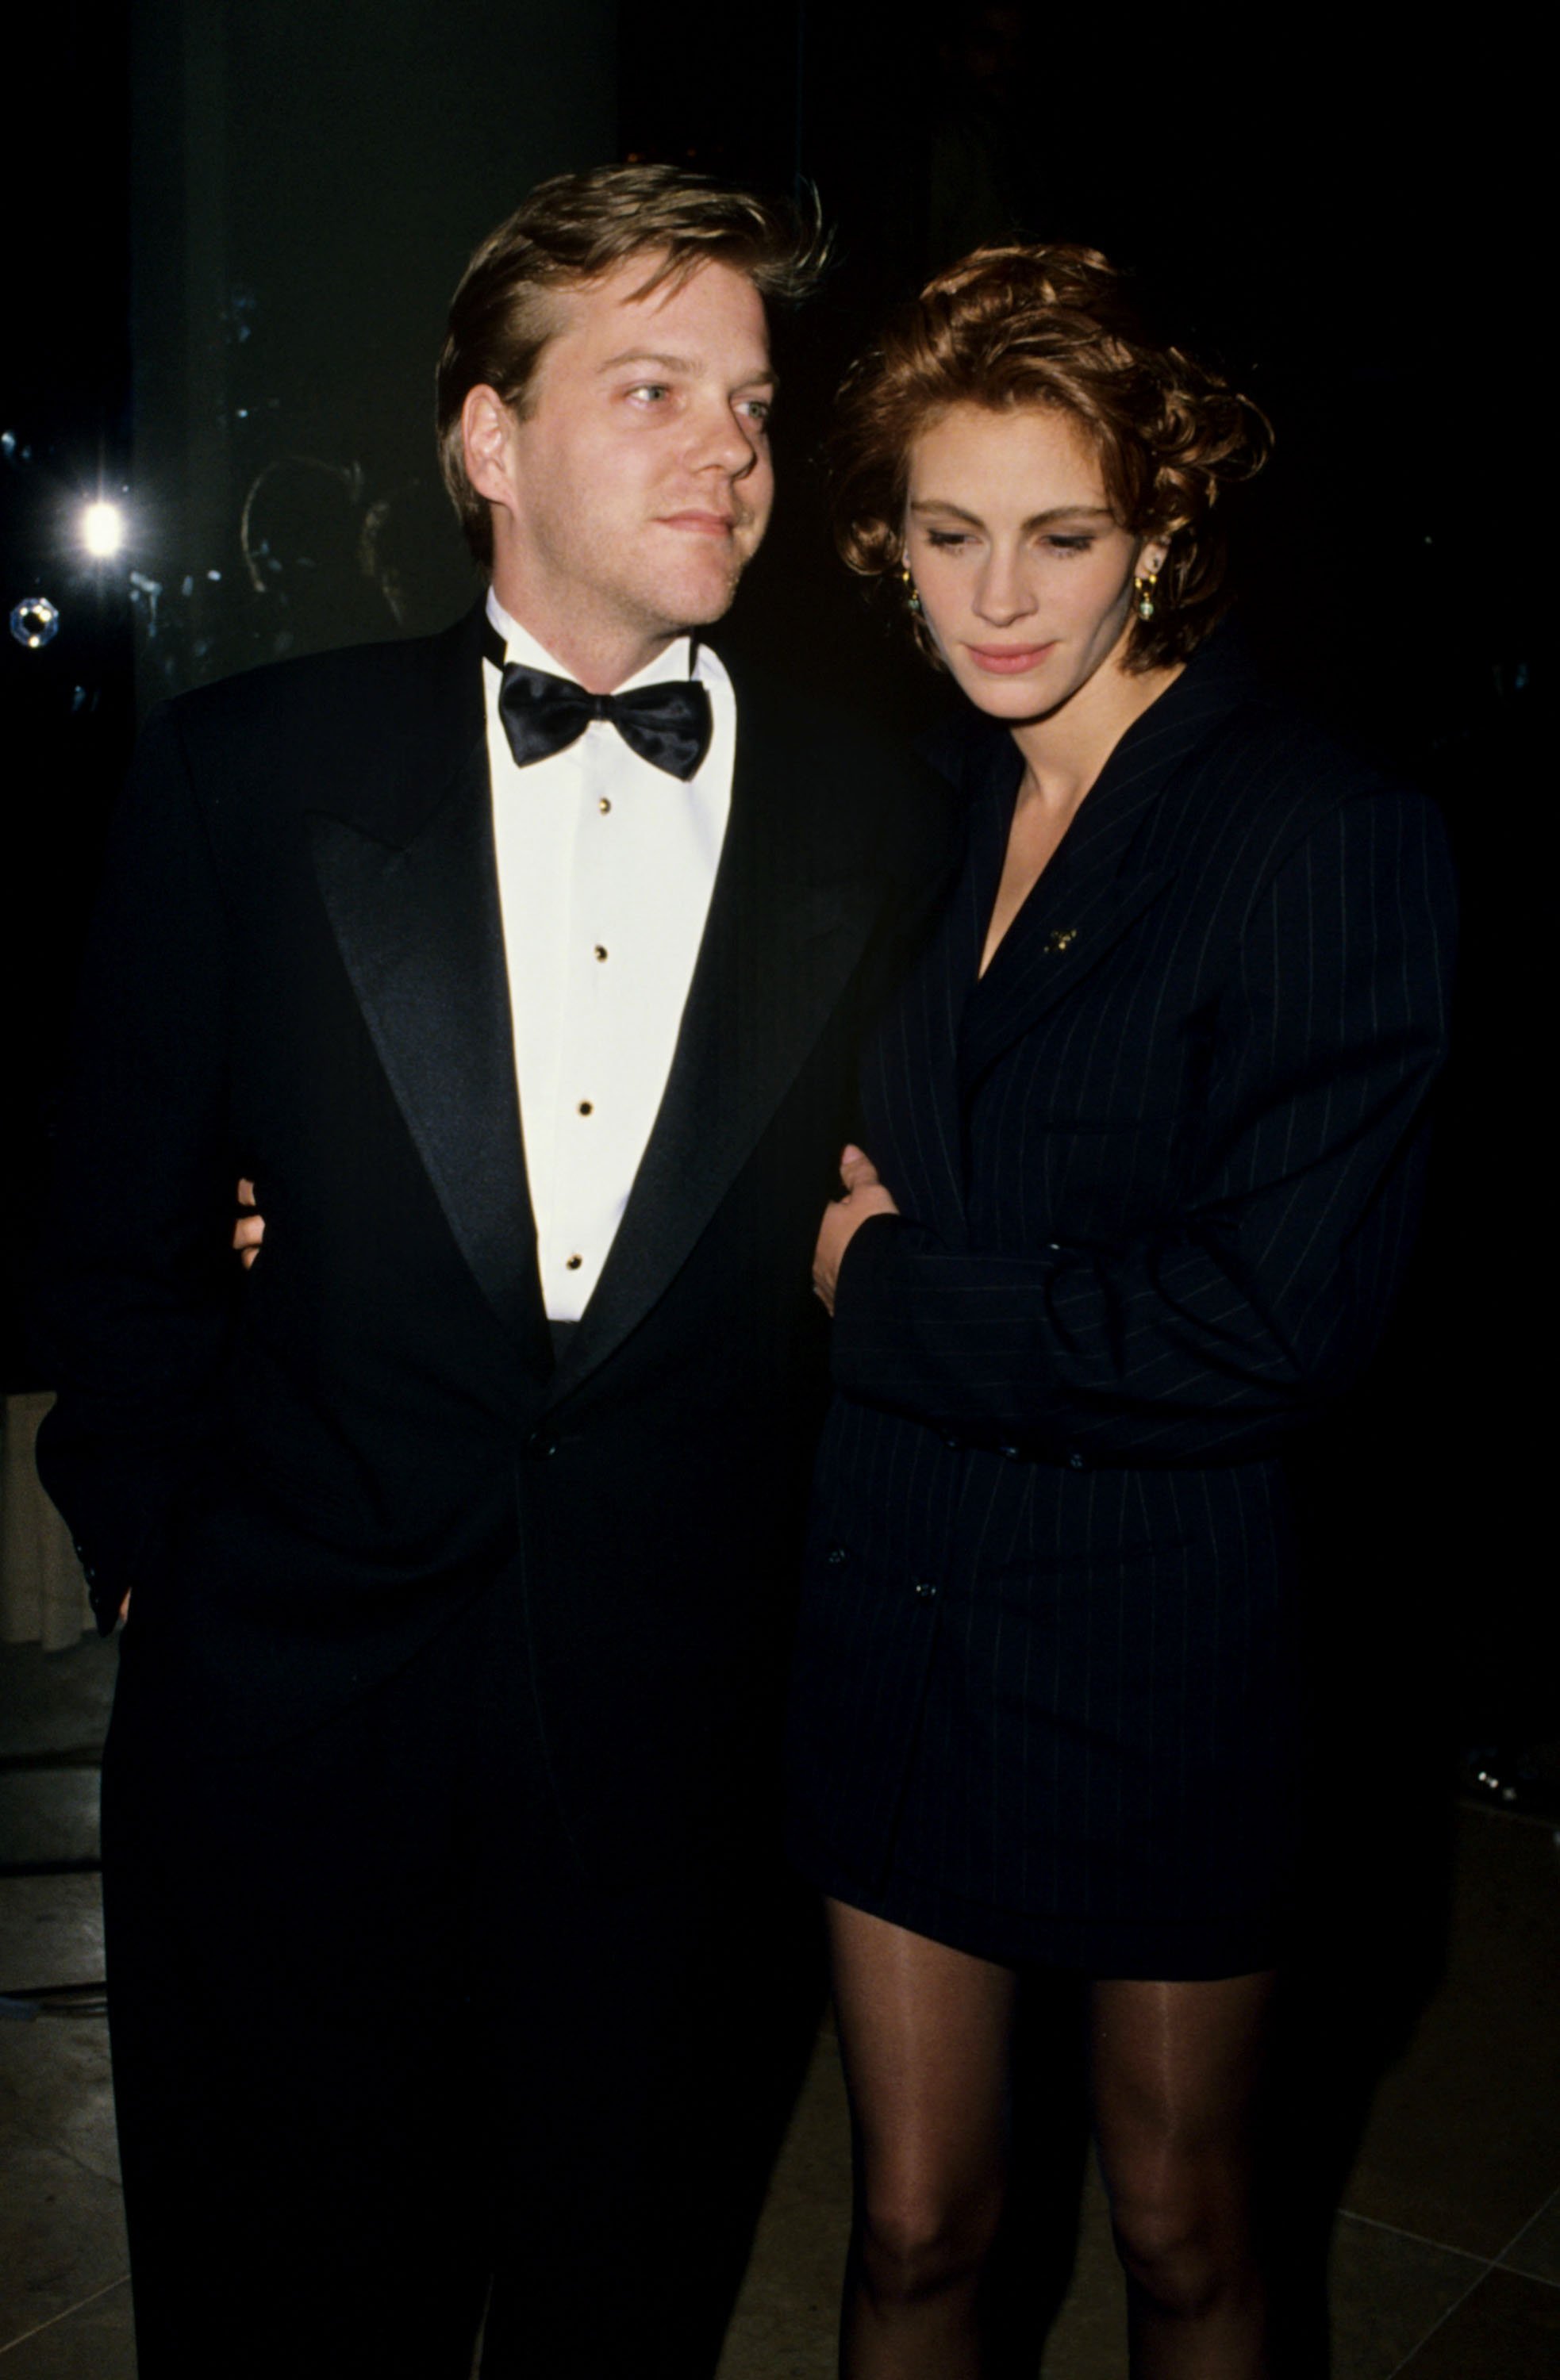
(1175, 2069)
(926, 2034)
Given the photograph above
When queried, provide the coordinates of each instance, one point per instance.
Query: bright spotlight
(103, 530)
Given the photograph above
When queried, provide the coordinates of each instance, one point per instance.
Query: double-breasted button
(541, 1444)
(926, 1588)
(836, 1553)
(1010, 1452)
(1074, 1459)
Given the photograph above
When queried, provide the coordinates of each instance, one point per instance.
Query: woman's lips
(1008, 661)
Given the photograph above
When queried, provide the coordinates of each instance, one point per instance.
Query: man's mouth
(703, 524)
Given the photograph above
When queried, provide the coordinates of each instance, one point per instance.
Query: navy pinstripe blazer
(1158, 1172)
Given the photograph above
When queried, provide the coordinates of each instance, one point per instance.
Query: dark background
(233, 231)
(231, 236)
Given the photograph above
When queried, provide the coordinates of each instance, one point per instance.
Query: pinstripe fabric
(1158, 1172)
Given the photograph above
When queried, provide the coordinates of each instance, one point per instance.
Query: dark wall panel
(308, 182)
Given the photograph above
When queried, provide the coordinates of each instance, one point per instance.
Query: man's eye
(759, 409)
(649, 391)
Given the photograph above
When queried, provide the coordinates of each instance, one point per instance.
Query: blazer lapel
(912, 1065)
(1048, 950)
(780, 943)
(1108, 869)
(418, 922)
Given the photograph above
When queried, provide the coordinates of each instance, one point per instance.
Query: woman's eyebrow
(1035, 520)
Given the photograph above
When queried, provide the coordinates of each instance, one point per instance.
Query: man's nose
(725, 441)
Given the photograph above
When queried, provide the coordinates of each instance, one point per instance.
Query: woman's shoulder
(1264, 773)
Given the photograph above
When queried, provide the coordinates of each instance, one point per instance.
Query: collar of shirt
(683, 657)
(686, 656)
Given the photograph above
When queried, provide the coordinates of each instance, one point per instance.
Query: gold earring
(1143, 589)
(912, 595)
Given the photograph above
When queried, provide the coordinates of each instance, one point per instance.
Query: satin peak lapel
(422, 936)
(779, 947)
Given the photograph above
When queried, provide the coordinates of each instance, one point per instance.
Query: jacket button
(1074, 1459)
(926, 1588)
(1011, 1453)
(836, 1553)
(540, 1445)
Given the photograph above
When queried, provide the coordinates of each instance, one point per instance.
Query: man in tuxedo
(521, 969)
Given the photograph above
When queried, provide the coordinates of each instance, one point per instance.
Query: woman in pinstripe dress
(1139, 1167)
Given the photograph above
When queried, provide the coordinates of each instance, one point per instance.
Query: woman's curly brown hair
(1053, 326)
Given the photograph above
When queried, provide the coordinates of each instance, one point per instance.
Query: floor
(1422, 2082)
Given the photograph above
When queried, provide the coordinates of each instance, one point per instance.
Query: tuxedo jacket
(1159, 1170)
(298, 974)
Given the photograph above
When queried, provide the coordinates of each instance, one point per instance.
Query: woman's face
(1024, 577)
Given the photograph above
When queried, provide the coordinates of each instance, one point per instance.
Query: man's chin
(705, 597)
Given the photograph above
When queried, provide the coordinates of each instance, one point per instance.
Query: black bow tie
(667, 724)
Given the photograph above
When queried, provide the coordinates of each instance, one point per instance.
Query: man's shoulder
(374, 727)
(788, 715)
(352, 681)
(844, 772)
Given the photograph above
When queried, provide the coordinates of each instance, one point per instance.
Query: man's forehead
(630, 301)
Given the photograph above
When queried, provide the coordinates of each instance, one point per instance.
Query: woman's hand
(250, 1230)
(864, 1195)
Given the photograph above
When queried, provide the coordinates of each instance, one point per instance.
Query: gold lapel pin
(1061, 938)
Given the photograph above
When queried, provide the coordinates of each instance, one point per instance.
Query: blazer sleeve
(136, 1279)
(1211, 1340)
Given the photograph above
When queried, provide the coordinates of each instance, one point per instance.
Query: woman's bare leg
(924, 2031)
(1176, 2069)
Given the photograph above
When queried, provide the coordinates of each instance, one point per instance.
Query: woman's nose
(1004, 592)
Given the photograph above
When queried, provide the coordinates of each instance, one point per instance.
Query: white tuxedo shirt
(607, 864)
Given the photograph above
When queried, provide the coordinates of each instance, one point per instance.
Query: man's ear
(485, 424)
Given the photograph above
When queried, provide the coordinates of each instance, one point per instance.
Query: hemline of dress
(1164, 1951)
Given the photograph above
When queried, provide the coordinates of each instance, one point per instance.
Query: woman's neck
(1065, 752)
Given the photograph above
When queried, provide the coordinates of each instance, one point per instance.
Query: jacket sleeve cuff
(121, 1513)
(866, 1285)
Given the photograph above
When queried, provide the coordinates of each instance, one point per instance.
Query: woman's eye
(1069, 544)
(944, 540)
(758, 410)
